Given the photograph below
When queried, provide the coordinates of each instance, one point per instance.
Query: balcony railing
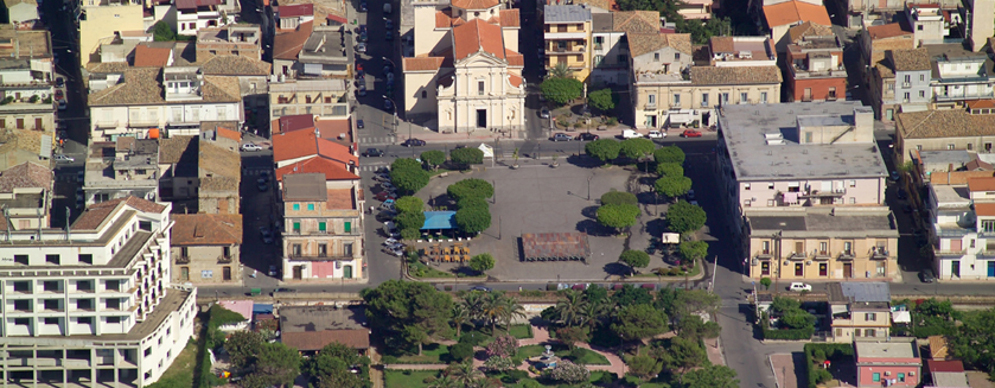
(224, 259)
(182, 259)
(796, 256)
(879, 253)
(845, 255)
(949, 252)
(821, 254)
(650, 106)
(764, 254)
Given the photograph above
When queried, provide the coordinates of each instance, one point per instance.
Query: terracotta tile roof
(336, 130)
(956, 177)
(206, 229)
(333, 171)
(985, 209)
(286, 45)
(981, 184)
(709, 75)
(910, 60)
(337, 18)
(889, 30)
(193, 4)
(296, 10)
(932, 124)
(475, 4)
(795, 11)
(445, 19)
(883, 69)
(510, 18)
(637, 21)
(340, 199)
(721, 44)
(96, 213)
(143, 86)
(292, 123)
(640, 44)
(229, 134)
(233, 65)
(938, 366)
(301, 144)
(808, 29)
(978, 165)
(515, 80)
(514, 59)
(220, 169)
(146, 56)
(476, 36)
(108, 67)
(25, 175)
(177, 148)
(608, 5)
(422, 63)
(309, 341)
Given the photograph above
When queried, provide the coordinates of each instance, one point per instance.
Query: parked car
(690, 133)
(360, 124)
(927, 276)
(390, 241)
(894, 176)
(281, 290)
(630, 134)
(62, 158)
(561, 137)
(362, 90)
(902, 194)
(60, 82)
(799, 287)
(79, 177)
(266, 235)
(272, 270)
(388, 23)
(361, 47)
(544, 113)
(62, 104)
(373, 153)
(481, 288)
(387, 105)
(413, 143)
(249, 147)
(690, 194)
(363, 7)
(385, 195)
(587, 136)
(59, 94)
(656, 135)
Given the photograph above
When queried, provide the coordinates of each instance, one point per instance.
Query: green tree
(461, 315)
(433, 158)
(461, 351)
(477, 202)
(669, 154)
(684, 218)
(711, 376)
(408, 175)
(639, 321)
(634, 259)
(603, 100)
(644, 367)
(672, 186)
(691, 251)
(561, 90)
(162, 32)
(410, 220)
(405, 163)
(560, 70)
(464, 157)
(409, 204)
(618, 197)
(680, 354)
(595, 294)
(242, 347)
(618, 216)
(482, 262)
(604, 150)
(333, 365)
(694, 327)
(498, 307)
(766, 282)
(669, 170)
(568, 311)
(472, 187)
(630, 295)
(401, 310)
(276, 364)
(570, 336)
(464, 373)
(975, 341)
(636, 148)
(473, 220)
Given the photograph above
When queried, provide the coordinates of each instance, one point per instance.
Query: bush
(461, 351)
(577, 354)
(569, 372)
(429, 380)
(607, 378)
(515, 376)
(469, 188)
(388, 359)
(473, 202)
(815, 354)
(470, 339)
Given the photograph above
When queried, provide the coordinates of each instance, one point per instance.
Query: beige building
(101, 19)
(219, 174)
(820, 243)
(859, 311)
(567, 36)
(26, 197)
(323, 228)
(206, 248)
(234, 39)
(954, 129)
(466, 73)
(324, 98)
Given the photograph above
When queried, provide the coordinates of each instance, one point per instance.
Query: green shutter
(876, 377)
(310, 206)
(297, 226)
(348, 227)
(297, 206)
(321, 226)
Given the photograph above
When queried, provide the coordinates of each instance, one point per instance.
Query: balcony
(987, 252)
(845, 255)
(182, 259)
(224, 259)
(963, 96)
(566, 50)
(881, 253)
(821, 255)
(822, 193)
(650, 106)
(949, 252)
(764, 254)
(796, 256)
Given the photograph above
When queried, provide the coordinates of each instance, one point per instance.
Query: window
(832, 92)
(656, 57)
(598, 59)
(347, 249)
(651, 99)
(677, 56)
(184, 273)
(922, 77)
(51, 286)
(52, 259)
(770, 186)
(226, 251)
(970, 146)
(22, 305)
(743, 97)
(184, 252)
(113, 319)
(23, 286)
(480, 88)
(112, 304)
(763, 97)
(677, 99)
(922, 94)
(348, 227)
(297, 227)
(870, 316)
(321, 226)
(51, 321)
(901, 377)
(424, 94)
(296, 249)
(770, 203)
(112, 285)
(310, 207)
(853, 183)
(950, 146)
(746, 186)
(704, 100)
(84, 304)
(51, 304)
(86, 259)
(147, 225)
(297, 206)
(561, 28)
(322, 250)
(724, 98)
(148, 351)
(21, 259)
(919, 27)
(907, 96)
(765, 268)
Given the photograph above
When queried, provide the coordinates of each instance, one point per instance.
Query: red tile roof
(309, 341)
(303, 144)
(795, 11)
(475, 4)
(206, 229)
(515, 80)
(333, 171)
(25, 175)
(445, 19)
(422, 63)
(96, 213)
(286, 45)
(510, 18)
(337, 18)
(514, 59)
(984, 209)
(296, 10)
(229, 134)
(981, 184)
(889, 30)
(193, 4)
(339, 131)
(475, 36)
(293, 123)
(945, 366)
(146, 56)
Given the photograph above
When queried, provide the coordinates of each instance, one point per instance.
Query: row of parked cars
(387, 194)
(626, 134)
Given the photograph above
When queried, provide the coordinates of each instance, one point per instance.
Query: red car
(385, 195)
(58, 94)
(690, 133)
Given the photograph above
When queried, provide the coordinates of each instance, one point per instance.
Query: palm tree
(568, 311)
(444, 381)
(460, 316)
(512, 310)
(494, 308)
(560, 71)
(592, 312)
(464, 374)
(487, 382)
(473, 301)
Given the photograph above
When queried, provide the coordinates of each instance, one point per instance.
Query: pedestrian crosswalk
(371, 166)
(376, 140)
(254, 171)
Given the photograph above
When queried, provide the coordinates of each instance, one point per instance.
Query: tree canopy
(618, 216)
(561, 90)
(669, 154)
(275, 364)
(672, 186)
(639, 321)
(635, 259)
(409, 204)
(692, 250)
(636, 148)
(470, 188)
(333, 365)
(473, 220)
(683, 217)
(162, 32)
(408, 175)
(669, 169)
(604, 150)
(482, 262)
(464, 157)
(630, 295)
(618, 197)
(711, 376)
(408, 312)
(433, 158)
(410, 220)
(603, 100)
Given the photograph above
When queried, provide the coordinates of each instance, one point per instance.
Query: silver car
(361, 47)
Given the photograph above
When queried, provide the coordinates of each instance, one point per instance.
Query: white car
(799, 287)
(630, 134)
(251, 147)
(656, 135)
(61, 158)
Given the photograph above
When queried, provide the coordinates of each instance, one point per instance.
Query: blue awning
(440, 220)
(262, 308)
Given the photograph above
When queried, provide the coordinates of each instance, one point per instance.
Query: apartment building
(291, 16)
(323, 228)
(567, 33)
(100, 21)
(895, 363)
(901, 81)
(206, 248)
(219, 174)
(609, 60)
(929, 23)
(972, 130)
(325, 98)
(193, 15)
(859, 311)
(176, 105)
(243, 40)
(961, 75)
(814, 59)
(179, 167)
(26, 193)
(20, 11)
(26, 77)
(875, 40)
(287, 45)
(780, 17)
(324, 53)
(962, 216)
(290, 148)
(126, 167)
(93, 304)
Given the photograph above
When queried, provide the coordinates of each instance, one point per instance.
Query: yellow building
(818, 243)
(100, 19)
(568, 38)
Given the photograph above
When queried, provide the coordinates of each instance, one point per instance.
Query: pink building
(888, 364)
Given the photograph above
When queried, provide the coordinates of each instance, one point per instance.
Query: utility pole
(777, 259)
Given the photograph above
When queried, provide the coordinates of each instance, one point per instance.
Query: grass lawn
(180, 373)
(420, 270)
(694, 272)
(408, 378)
(521, 331)
(431, 354)
(589, 357)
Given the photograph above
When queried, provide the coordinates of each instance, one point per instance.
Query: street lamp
(394, 105)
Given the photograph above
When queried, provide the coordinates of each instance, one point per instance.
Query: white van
(630, 134)
(390, 229)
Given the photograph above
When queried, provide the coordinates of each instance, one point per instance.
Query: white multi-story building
(963, 221)
(92, 304)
